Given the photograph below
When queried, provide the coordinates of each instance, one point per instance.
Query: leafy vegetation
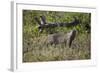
(34, 42)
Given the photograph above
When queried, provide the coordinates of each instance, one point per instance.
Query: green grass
(39, 51)
(35, 44)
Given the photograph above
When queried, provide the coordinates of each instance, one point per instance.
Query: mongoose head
(72, 36)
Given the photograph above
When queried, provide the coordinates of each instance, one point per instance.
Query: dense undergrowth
(35, 46)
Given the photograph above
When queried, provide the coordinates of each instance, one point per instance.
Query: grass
(35, 44)
(37, 49)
